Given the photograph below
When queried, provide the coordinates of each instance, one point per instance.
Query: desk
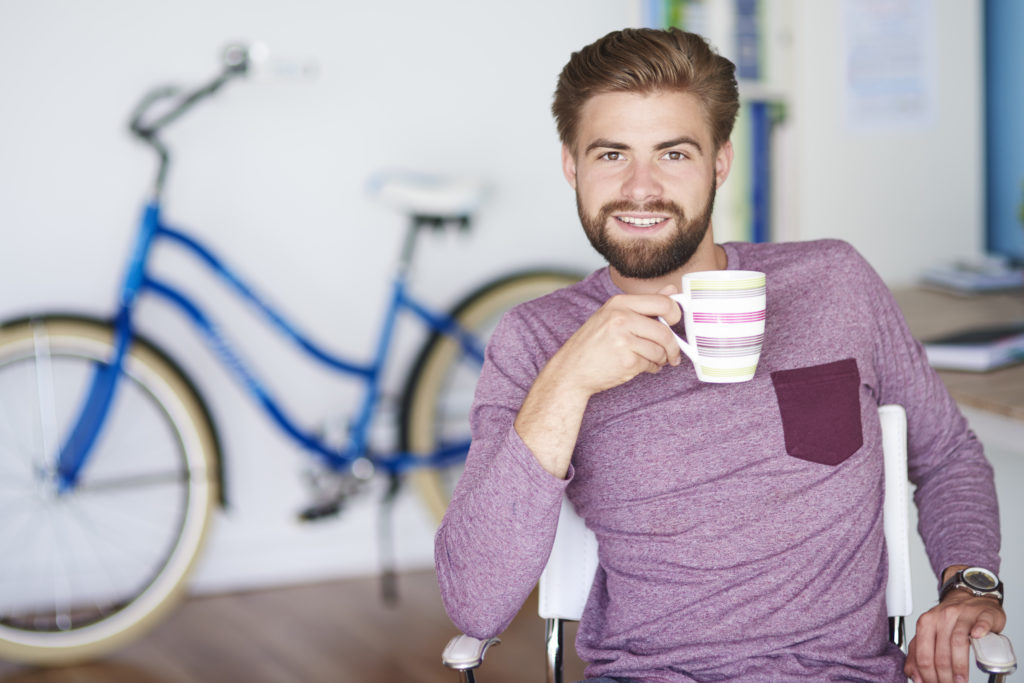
(930, 314)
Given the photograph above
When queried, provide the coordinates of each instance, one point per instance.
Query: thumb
(669, 290)
(981, 628)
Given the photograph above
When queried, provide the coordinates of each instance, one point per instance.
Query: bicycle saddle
(421, 194)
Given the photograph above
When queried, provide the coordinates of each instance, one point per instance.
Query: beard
(647, 258)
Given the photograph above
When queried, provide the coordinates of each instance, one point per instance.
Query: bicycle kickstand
(386, 541)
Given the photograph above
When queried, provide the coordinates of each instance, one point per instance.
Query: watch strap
(957, 582)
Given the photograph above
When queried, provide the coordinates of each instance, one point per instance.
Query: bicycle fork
(99, 397)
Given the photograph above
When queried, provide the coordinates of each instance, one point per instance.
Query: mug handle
(687, 348)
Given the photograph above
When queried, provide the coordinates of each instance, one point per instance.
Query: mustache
(653, 206)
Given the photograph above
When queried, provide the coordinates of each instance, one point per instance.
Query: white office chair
(565, 583)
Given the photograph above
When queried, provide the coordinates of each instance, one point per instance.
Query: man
(739, 525)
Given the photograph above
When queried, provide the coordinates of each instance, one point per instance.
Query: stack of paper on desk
(977, 349)
(983, 275)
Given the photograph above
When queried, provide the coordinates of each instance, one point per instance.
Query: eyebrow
(681, 140)
(604, 143)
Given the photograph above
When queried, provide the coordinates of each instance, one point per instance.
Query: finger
(653, 353)
(649, 305)
(987, 621)
(922, 652)
(658, 332)
(960, 651)
(944, 650)
(668, 291)
(912, 666)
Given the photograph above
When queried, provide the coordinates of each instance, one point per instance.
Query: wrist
(950, 572)
(975, 582)
(564, 380)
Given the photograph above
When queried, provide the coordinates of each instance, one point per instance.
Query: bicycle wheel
(439, 392)
(84, 571)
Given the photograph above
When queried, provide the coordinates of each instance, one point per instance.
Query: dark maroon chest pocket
(820, 409)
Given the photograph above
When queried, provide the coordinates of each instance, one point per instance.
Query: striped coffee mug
(723, 316)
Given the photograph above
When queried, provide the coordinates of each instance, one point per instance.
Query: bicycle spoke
(115, 546)
(16, 475)
(61, 581)
(46, 396)
(133, 482)
(17, 443)
(41, 546)
(130, 522)
(110, 563)
(80, 528)
(21, 534)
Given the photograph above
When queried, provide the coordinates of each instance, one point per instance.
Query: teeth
(640, 222)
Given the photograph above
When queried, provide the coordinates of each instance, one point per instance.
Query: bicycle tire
(439, 390)
(86, 571)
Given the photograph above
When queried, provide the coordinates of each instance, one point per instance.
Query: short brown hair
(648, 60)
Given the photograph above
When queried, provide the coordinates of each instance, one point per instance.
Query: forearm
(617, 343)
(955, 494)
(495, 538)
(957, 505)
(550, 418)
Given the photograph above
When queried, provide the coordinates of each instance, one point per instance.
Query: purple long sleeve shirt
(739, 525)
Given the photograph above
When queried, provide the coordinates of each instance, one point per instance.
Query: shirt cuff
(530, 468)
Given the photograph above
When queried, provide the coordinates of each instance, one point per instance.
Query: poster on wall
(890, 64)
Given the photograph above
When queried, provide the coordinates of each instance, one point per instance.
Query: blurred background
(872, 130)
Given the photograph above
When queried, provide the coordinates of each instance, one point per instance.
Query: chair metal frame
(564, 585)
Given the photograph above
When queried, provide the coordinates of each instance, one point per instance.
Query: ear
(569, 166)
(723, 162)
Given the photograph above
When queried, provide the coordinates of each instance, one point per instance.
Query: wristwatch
(975, 580)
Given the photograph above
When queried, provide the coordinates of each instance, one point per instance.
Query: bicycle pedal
(319, 511)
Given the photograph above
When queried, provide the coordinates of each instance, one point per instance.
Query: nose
(641, 182)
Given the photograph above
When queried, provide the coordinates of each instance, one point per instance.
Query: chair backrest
(897, 504)
(565, 583)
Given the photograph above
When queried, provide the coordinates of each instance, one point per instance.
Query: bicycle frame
(101, 393)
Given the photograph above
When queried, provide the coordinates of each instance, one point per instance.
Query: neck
(709, 256)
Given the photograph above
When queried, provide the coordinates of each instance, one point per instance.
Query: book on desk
(989, 274)
(977, 350)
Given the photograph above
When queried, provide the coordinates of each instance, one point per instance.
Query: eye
(675, 155)
(611, 156)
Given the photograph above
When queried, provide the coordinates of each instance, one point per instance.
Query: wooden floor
(331, 632)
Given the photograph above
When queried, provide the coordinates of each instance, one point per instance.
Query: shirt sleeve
(499, 527)
(955, 492)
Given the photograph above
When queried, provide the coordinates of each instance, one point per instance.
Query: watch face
(979, 578)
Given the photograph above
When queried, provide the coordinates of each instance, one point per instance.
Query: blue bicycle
(109, 460)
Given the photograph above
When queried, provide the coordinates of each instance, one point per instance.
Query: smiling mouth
(648, 222)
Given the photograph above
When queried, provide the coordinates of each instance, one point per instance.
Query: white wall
(906, 196)
(274, 173)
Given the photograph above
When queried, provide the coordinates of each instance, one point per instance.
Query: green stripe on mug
(728, 372)
(752, 283)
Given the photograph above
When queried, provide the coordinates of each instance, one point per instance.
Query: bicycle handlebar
(235, 61)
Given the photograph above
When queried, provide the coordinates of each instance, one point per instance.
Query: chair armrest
(465, 652)
(565, 583)
(994, 654)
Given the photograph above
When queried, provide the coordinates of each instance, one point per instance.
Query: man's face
(645, 173)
